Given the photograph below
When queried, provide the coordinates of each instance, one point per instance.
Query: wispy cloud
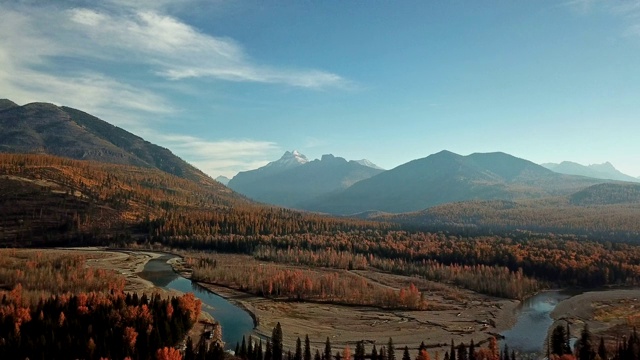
(177, 51)
(224, 157)
(628, 11)
(122, 59)
(28, 73)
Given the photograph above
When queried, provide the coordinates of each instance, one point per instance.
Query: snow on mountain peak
(288, 160)
(367, 163)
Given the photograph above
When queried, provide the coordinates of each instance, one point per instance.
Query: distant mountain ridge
(294, 179)
(223, 180)
(606, 211)
(368, 163)
(597, 171)
(448, 177)
(43, 128)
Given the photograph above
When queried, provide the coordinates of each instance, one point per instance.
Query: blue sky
(231, 85)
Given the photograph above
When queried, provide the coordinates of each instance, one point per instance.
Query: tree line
(94, 325)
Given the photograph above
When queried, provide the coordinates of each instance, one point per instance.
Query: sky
(230, 85)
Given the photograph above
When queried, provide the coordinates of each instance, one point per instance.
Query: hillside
(46, 197)
(299, 182)
(446, 177)
(48, 200)
(607, 211)
(42, 128)
(597, 171)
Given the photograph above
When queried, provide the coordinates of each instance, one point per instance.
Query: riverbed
(538, 315)
(529, 333)
(235, 321)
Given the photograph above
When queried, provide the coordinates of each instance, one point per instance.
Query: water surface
(235, 321)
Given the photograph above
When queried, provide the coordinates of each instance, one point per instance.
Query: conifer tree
(298, 354)
(374, 353)
(317, 355)
(307, 348)
(391, 353)
(383, 353)
(602, 349)
(268, 353)
(243, 348)
(189, 353)
(558, 341)
(405, 354)
(360, 353)
(452, 352)
(462, 352)
(258, 354)
(276, 343)
(327, 350)
(585, 351)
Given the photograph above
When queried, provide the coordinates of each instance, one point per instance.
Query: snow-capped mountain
(289, 160)
(367, 163)
(294, 179)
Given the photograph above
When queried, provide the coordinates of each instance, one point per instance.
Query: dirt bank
(349, 324)
(607, 312)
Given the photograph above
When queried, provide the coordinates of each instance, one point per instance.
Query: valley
(442, 249)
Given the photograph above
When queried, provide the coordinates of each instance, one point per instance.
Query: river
(235, 321)
(534, 319)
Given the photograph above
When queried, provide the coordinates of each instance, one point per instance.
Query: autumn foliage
(56, 307)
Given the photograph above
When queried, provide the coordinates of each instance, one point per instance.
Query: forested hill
(42, 128)
(604, 211)
(51, 200)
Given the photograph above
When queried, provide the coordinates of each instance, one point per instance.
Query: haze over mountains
(447, 177)
(598, 171)
(293, 179)
(43, 128)
(331, 184)
(223, 180)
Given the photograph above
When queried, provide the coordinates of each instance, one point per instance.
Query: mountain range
(447, 177)
(293, 179)
(597, 171)
(43, 128)
(131, 186)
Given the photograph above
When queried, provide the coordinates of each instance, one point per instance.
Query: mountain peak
(597, 171)
(223, 180)
(606, 166)
(289, 159)
(6, 104)
(41, 127)
(367, 163)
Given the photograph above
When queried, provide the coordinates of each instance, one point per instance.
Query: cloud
(628, 12)
(26, 74)
(122, 60)
(222, 157)
(178, 51)
(76, 56)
